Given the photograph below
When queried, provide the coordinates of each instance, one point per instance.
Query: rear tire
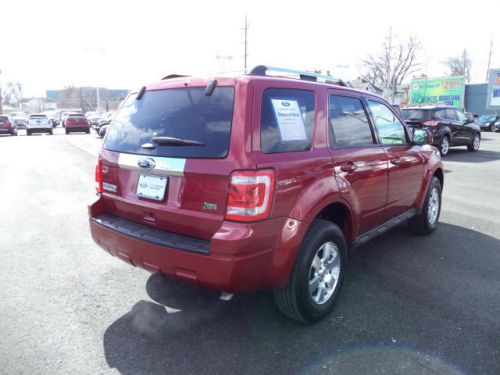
(427, 220)
(66, 130)
(444, 145)
(28, 132)
(476, 143)
(317, 275)
(51, 132)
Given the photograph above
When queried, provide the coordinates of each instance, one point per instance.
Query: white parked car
(39, 123)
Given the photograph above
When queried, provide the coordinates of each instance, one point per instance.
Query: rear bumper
(240, 257)
(80, 128)
(39, 129)
(6, 130)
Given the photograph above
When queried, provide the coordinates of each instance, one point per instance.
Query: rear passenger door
(360, 163)
(466, 133)
(456, 126)
(405, 161)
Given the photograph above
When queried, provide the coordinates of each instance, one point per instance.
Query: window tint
(287, 120)
(450, 114)
(348, 121)
(390, 129)
(184, 113)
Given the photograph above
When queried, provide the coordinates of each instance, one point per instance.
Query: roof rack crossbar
(261, 70)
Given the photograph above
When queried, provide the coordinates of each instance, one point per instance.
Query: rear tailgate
(4, 122)
(77, 121)
(170, 185)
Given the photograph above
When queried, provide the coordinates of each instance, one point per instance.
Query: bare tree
(460, 65)
(13, 94)
(396, 61)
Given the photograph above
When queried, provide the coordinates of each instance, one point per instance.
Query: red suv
(257, 182)
(76, 122)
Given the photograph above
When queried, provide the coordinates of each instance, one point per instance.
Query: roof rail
(261, 70)
(171, 76)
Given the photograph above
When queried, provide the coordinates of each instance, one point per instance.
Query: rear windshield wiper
(171, 141)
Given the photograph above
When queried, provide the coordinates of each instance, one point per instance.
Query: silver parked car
(39, 123)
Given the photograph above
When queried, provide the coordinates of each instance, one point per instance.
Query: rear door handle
(396, 161)
(348, 167)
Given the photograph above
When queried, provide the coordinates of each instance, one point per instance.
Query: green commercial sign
(438, 91)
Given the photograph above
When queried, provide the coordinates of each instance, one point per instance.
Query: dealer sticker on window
(290, 121)
(152, 187)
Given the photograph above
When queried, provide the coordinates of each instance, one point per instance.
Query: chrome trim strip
(163, 166)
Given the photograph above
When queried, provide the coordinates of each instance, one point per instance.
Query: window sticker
(290, 121)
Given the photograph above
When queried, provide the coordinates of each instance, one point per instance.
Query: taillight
(430, 123)
(98, 176)
(250, 195)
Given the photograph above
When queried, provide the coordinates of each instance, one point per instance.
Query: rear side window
(4, 118)
(183, 113)
(391, 131)
(461, 116)
(348, 121)
(287, 120)
(451, 114)
(440, 114)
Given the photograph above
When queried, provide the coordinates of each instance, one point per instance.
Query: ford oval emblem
(285, 104)
(146, 163)
(143, 185)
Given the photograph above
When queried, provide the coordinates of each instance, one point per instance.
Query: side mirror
(422, 137)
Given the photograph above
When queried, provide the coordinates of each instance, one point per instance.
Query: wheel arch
(340, 214)
(440, 176)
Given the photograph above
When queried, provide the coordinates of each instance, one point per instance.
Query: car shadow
(464, 156)
(406, 303)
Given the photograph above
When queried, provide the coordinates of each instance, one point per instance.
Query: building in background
(86, 98)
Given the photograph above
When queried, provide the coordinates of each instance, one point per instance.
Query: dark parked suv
(257, 182)
(449, 126)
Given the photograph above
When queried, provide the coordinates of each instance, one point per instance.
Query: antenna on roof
(172, 76)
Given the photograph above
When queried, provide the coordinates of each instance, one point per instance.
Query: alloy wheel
(324, 273)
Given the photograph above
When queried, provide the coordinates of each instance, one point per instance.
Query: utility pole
(246, 42)
(81, 99)
(98, 98)
(489, 59)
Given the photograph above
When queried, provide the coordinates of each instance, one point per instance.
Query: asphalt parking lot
(410, 305)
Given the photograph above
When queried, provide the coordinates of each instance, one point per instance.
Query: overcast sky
(124, 44)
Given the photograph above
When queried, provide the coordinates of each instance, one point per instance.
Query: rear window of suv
(184, 113)
(287, 120)
(416, 114)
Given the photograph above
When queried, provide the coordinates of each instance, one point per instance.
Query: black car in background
(489, 122)
(449, 126)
